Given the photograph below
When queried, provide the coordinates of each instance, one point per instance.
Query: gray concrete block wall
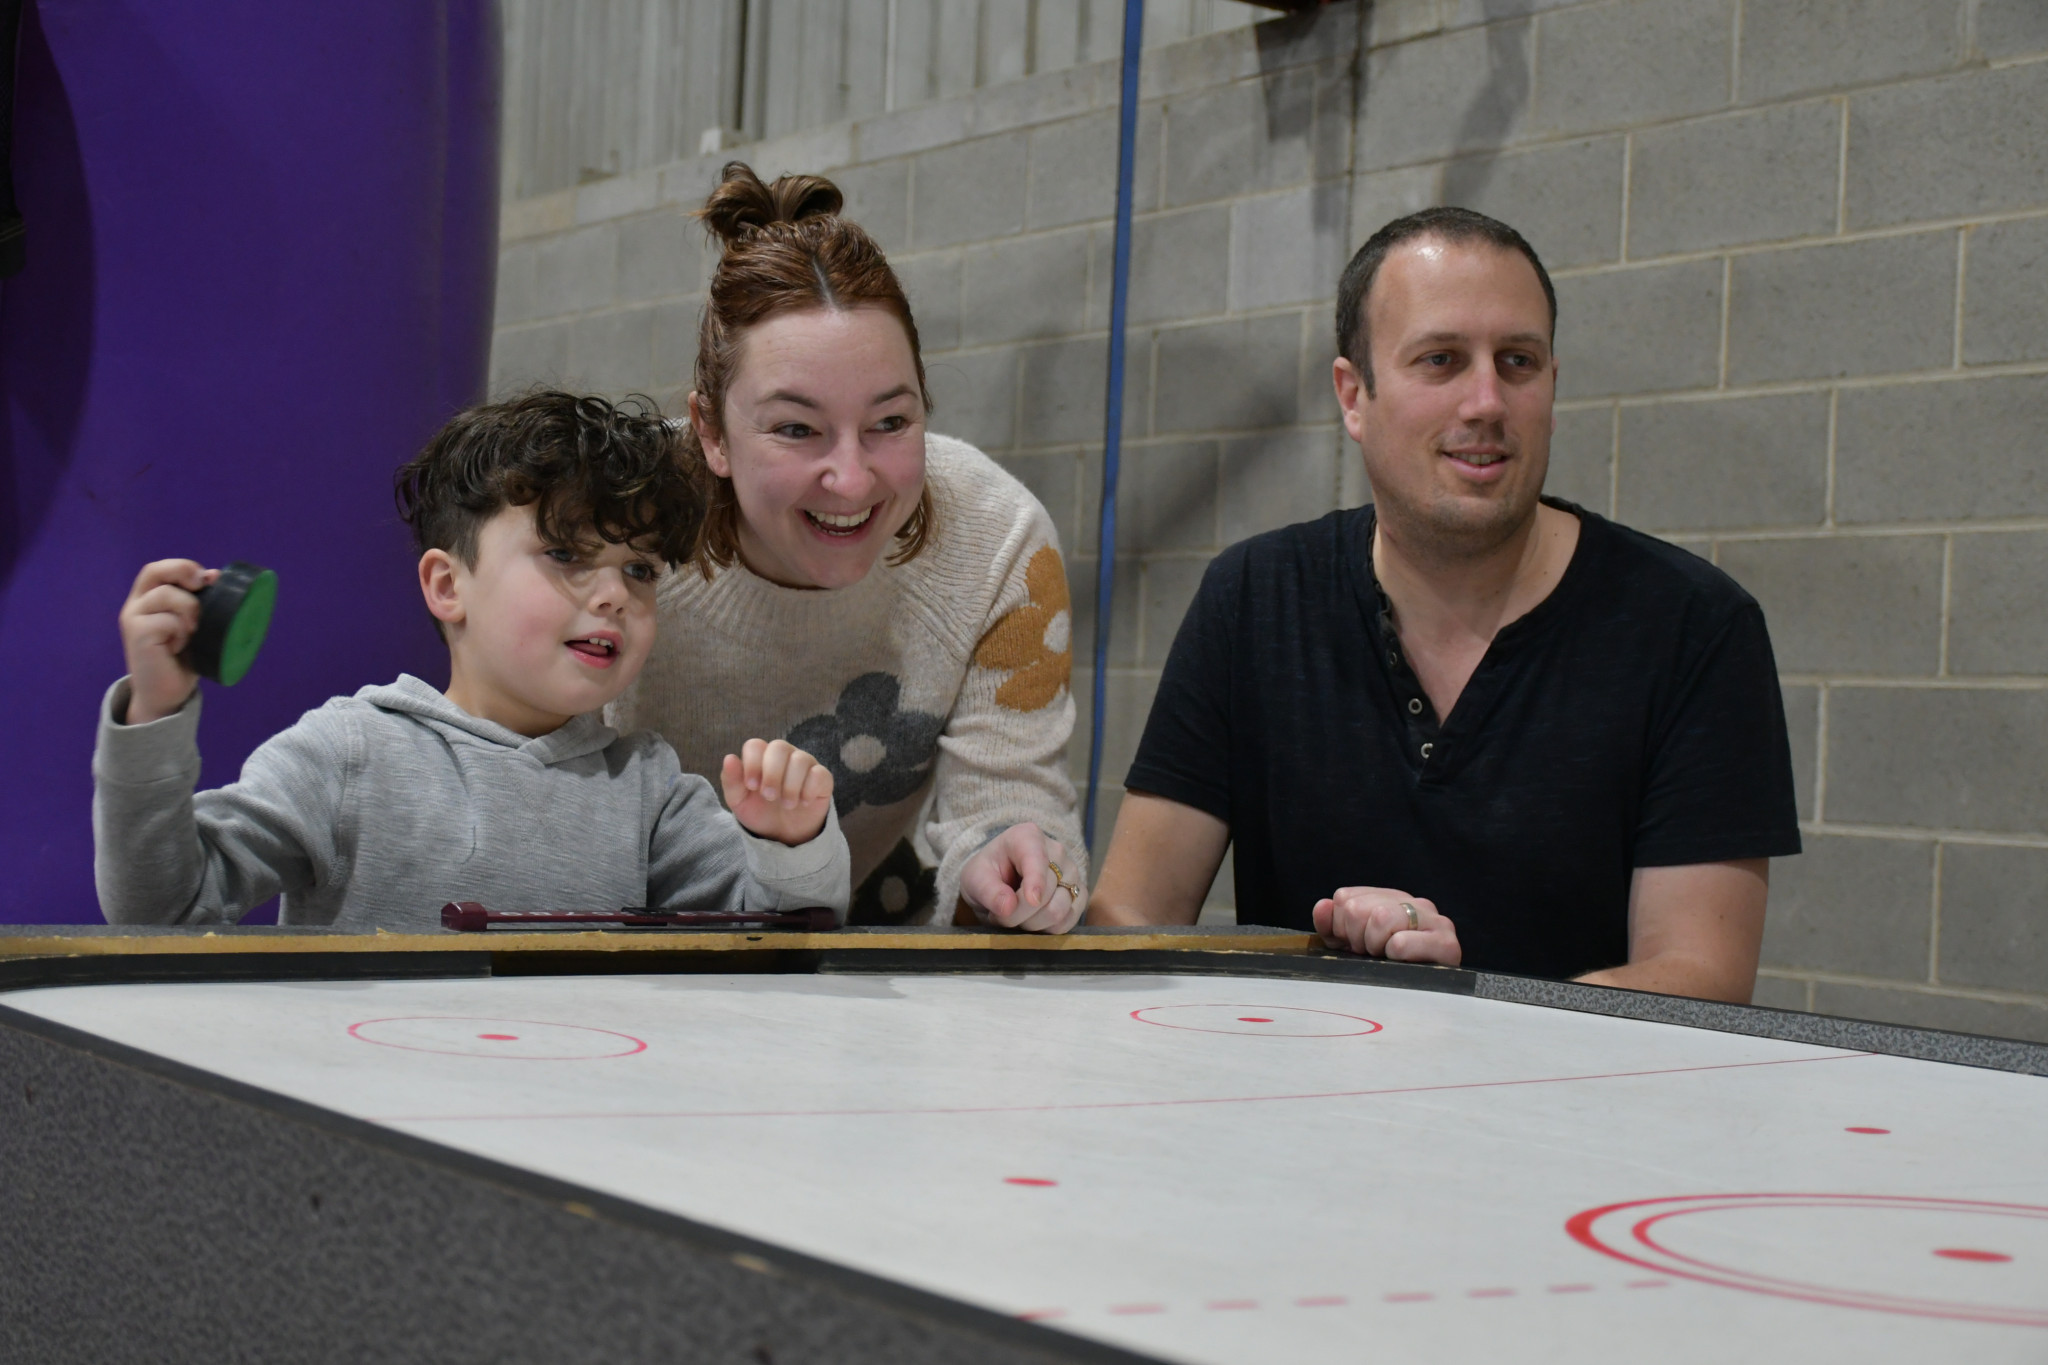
(1801, 249)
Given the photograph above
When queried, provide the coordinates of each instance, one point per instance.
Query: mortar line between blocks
(1628, 163)
(1834, 418)
(1727, 289)
(1735, 56)
(1820, 758)
(1948, 562)
(1842, 174)
(1962, 266)
(1934, 920)
(1913, 834)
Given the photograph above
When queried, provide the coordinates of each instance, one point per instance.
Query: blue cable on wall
(1112, 445)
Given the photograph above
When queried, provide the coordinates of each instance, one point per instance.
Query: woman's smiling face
(823, 439)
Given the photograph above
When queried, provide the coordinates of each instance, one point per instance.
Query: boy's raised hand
(156, 622)
(777, 790)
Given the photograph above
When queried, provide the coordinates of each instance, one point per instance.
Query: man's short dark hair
(588, 467)
(1354, 341)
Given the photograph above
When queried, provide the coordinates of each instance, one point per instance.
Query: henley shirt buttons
(1415, 706)
(1426, 748)
(1393, 658)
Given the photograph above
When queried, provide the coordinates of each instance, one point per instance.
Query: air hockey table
(1198, 1146)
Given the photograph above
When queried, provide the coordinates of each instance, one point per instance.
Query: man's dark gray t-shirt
(1632, 719)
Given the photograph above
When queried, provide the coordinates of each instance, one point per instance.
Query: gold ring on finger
(1060, 882)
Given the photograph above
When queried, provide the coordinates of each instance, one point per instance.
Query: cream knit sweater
(936, 691)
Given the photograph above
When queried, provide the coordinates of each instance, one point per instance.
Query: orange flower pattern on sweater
(1018, 643)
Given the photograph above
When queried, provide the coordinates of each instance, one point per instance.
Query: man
(1466, 724)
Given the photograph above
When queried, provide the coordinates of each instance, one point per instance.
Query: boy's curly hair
(587, 466)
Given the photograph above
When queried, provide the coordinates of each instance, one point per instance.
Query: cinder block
(1790, 47)
(522, 357)
(1336, 119)
(1379, 197)
(1074, 169)
(878, 198)
(970, 191)
(1779, 993)
(1247, 136)
(1725, 463)
(1166, 497)
(1180, 266)
(2011, 28)
(661, 255)
(1459, 13)
(1063, 386)
(1856, 905)
(518, 296)
(1758, 176)
(613, 351)
(1582, 458)
(1802, 727)
(1896, 450)
(1126, 626)
(1948, 148)
(1955, 758)
(1130, 702)
(1564, 197)
(1994, 917)
(1169, 586)
(1845, 604)
(1639, 331)
(1632, 61)
(1287, 247)
(576, 271)
(2005, 293)
(1318, 398)
(1933, 1009)
(1025, 289)
(1435, 97)
(1875, 307)
(1276, 479)
(974, 396)
(1239, 375)
(1055, 480)
(931, 281)
(616, 196)
(1997, 622)
(675, 327)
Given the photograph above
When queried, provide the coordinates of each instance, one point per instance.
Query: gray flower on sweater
(878, 753)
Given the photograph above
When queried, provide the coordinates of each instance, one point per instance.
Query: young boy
(543, 525)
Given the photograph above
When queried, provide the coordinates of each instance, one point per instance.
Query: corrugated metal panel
(602, 87)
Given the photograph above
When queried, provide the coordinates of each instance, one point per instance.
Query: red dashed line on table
(1124, 1310)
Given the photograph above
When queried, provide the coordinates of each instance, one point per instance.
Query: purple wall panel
(262, 241)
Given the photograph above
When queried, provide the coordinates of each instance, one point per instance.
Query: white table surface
(1217, 1169)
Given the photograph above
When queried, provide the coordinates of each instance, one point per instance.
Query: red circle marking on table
(1640, 1216)
(1028, 1180)
(1866, 1130)
(613, 1048)
(1304, 1018)
(1970, 1254)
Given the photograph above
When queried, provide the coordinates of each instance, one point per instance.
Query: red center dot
(1866, 1130)
(1970, 1254)
(1028, 1180)
(500, 1037)
(1252, 1019)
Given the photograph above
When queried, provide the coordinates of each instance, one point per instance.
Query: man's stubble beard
(1448, 530)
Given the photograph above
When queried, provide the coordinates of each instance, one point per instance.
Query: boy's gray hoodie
(376, 809)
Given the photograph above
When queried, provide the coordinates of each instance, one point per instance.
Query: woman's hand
(1377, 921)
(777, 791)
(1011, 882)
(156, 622)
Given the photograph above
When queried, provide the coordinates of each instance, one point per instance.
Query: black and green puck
(234, 616)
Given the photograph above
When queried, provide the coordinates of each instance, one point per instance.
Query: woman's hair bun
(742, 206)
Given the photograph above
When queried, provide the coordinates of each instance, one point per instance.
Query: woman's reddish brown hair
(785, 249)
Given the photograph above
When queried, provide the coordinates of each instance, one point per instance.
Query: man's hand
(156, 622)
(1011, 882)
(1375, 921)
(777, 791)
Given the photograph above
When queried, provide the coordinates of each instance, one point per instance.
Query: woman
(924, 582)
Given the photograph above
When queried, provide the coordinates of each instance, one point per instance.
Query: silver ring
(1414, 920)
